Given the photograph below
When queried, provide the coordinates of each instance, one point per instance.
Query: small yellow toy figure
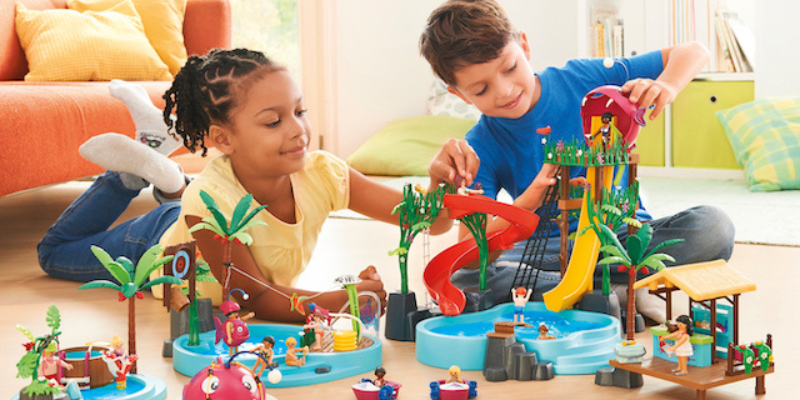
(682, 347)
(291, 353)
(265, 352)
(455, 375)
(605, 130)
(119, 362)
(51, 364)
(543, 333)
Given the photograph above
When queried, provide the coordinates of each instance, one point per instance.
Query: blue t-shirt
(510, 150)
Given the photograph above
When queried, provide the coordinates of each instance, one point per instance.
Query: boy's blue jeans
(65, 250)
(707, 232)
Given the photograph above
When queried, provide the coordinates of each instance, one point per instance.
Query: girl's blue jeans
(707, 232)
(65, 250)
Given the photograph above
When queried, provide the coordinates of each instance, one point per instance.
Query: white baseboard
(697, 173)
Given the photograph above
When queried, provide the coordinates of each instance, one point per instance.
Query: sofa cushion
(51, 120)
(163, 25)
(65, 45)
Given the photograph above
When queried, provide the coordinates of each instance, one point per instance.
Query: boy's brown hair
(461, 33)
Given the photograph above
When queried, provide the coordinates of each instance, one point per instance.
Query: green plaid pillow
(765, 136)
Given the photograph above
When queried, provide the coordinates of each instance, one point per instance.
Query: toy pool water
(188, 360)
(139, 387)
(585, 340)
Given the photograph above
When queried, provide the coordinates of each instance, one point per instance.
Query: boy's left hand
(647, 92)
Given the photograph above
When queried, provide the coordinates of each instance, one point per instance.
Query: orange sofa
(44, 123)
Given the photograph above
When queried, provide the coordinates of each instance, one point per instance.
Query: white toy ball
(274, 376)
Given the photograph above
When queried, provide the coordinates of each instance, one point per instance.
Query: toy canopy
(629, 119)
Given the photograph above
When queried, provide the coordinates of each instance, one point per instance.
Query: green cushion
(765, 137)
(407, 146)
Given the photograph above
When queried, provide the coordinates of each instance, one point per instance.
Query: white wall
(380, 75)
(777, 51)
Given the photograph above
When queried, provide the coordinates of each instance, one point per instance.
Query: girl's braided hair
(204, 91)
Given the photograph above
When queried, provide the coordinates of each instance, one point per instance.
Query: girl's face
(271, 129)
(681, 326)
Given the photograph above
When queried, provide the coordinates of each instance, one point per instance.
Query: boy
(473, 47)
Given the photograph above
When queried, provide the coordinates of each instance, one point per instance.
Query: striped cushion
(765, 136)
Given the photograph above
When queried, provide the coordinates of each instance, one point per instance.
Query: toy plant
(349, 284)
(131, 282)
(614, 210)
(229, 232)
(415, 213)
(28, 365)
(632, 258)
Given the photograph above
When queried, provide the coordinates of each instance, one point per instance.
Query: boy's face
(503, 87)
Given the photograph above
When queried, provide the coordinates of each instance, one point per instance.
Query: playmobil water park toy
(454, 388)
(228, 380)
(376, 389)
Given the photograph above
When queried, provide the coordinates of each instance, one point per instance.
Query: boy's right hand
(456, 158)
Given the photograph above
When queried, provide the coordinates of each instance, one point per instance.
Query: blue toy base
(190, 360)
(139, 387)
(585, 340)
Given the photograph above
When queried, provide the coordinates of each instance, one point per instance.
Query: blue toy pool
(189, 360)
(585, 340)
(139, 387)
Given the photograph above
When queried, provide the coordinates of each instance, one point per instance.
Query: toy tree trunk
(132, 330)
(194, 322)
(630, 318)
(226, 269)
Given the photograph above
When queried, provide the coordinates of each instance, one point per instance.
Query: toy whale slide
(437, 274)
(579, 278)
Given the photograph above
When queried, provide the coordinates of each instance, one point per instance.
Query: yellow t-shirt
(281, 251)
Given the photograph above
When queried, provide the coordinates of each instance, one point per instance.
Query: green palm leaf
(127, 264)
(160, 281)
(206, 225)
(250, 224)
(645, 234)
(609, 209)
(241, 209)
(635, 248)
(419, 226)
(145, 261)
(114, 268)
(247, 219)
(102, 255)
(614, 260)
(213, 208)
(149, 270)
(25, 331)
(53, 317)
(665, 244)
(100, 284)
(614, 251)
(243, 237)
(632, 222)
(611, 237)
(653, 263)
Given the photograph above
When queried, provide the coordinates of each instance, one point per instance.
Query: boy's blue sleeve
(647, 65)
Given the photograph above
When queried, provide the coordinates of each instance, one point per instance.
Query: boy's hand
(455, 158)
(533, 196)
(371, 281)
(647, 92)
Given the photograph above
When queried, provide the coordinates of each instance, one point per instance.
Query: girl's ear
(221, 138)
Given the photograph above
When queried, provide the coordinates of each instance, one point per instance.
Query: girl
(682, 347)
(252, 110)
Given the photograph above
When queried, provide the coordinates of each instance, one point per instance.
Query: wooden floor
(346, 246)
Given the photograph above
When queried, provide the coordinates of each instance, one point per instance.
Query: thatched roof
(702, 281)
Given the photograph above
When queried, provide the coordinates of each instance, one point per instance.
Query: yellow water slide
(579, 278)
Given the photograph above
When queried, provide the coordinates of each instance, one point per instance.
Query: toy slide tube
(437, 273)
(579, 278)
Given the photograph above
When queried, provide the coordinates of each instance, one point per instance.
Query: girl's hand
(456, 157)
(371, 281)
(647, 92)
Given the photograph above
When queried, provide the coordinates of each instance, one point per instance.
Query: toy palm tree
(632, 258)
(28, 365)
(131, 282)
(416, 212)
(229, 232)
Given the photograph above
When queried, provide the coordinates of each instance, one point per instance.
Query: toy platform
(701, 379)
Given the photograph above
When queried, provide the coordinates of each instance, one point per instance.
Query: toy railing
(737, 360)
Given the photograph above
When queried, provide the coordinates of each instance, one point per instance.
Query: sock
(116, 152)
(149, 120)
(133, 182)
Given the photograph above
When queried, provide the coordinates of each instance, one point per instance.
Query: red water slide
(437, 274)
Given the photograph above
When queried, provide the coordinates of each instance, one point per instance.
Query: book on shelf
(607, 31)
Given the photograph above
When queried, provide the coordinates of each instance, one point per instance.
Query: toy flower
(625, 206)
(600, 158)
(544, 140)
(560, 145)
(579, 152)
(549, 156)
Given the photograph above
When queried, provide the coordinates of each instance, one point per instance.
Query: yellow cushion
(65, 45)
(163, 25)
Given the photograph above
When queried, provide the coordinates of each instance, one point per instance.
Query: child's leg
(65, 252)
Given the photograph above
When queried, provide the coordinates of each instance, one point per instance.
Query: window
(270, 26)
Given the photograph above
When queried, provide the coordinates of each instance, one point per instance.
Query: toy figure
(682, 347)
(605, 129)
(455, 375)
(234, 331)
(315, 327)
(379, 374)
(543, 333)
(291, 353)
(119, 362)
(520, 297)
(265, 353)
(51, 364)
